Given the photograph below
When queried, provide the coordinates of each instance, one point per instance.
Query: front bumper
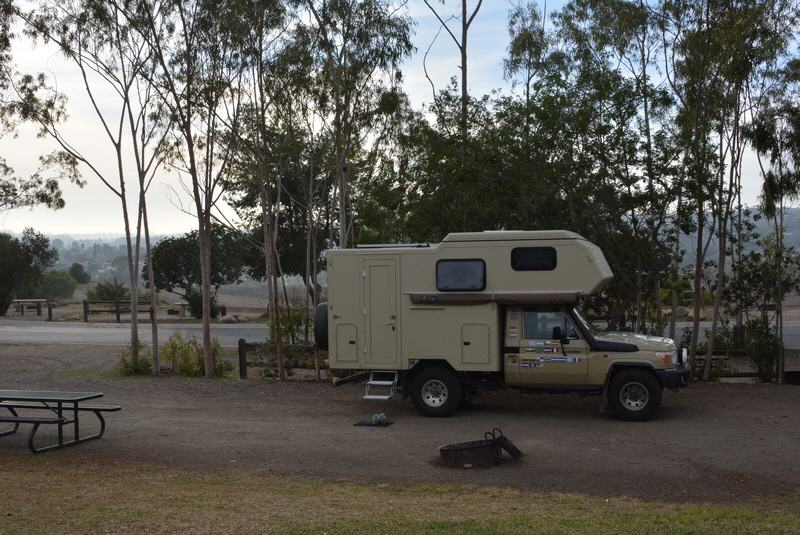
(675, 378)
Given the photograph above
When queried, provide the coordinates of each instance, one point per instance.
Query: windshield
(588, 326)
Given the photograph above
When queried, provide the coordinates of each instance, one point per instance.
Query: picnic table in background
(64, 409)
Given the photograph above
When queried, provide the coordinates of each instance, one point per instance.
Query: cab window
(539, 324)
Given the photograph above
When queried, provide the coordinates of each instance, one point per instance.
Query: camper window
(460, 275)
(533, 258)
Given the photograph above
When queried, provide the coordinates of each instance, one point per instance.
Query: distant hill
(764, 227)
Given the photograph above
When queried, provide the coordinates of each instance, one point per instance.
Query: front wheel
(436, 392)
(634, 395)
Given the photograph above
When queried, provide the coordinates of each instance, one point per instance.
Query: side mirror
(559, 335)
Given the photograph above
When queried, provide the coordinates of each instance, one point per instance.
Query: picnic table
(64, 409)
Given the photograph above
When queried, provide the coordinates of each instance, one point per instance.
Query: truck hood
(642, 341)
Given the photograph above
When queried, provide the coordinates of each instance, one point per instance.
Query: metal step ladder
(384, 382)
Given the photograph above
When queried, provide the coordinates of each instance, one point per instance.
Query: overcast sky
(94, 209)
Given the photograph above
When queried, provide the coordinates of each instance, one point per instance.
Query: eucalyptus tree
(527, 49)
(620, 36)
(193, 45)
(756, 37)
(466, 17)
(775, 134)
(112, 64)
(694, 58)
(42, 187)
(257, 132)
(357, 48)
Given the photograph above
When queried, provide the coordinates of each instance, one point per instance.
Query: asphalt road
(43, 332)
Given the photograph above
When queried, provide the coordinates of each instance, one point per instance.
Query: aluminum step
(379, 380)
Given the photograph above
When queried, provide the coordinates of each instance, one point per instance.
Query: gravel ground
(712, 442)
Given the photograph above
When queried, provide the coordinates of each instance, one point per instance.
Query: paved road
(15, 331)
(43, 332)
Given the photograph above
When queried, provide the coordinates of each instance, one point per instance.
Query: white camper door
(380, 313)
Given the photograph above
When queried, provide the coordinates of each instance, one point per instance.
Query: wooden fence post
(242, 359)
(85, 310)
(49, 311)
(116, 309)
(38, 308)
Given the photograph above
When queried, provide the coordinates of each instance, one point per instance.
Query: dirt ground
(712, 443)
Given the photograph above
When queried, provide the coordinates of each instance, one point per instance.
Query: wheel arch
(426, 364)
(617, 367)
(420, 366)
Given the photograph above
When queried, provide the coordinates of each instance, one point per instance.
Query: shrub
(109, 291)
(761, 345)
(185, 356)
(130, 364)
(195, 300)
(57, 286)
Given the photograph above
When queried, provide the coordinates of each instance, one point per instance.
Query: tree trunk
(659, 317)
(674, 270)
(698, 290)
(134, 295)
(204, 239)
(717, 300)
(153, 291)
(272, 281)
(464, 89)
(779, 301)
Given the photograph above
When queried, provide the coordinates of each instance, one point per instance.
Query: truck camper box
(392, 305)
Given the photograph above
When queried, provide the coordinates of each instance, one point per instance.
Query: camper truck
(486, 310)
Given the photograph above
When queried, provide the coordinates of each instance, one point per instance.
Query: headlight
(670, 358)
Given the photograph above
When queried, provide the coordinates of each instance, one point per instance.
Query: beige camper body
(387, 313)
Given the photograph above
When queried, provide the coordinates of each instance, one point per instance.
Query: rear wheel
(634, 394)
(436, 392)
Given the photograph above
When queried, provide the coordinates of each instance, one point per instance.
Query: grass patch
(49, 494)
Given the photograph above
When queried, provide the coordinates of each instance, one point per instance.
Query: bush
(57, 286)
(761, 345)
(109, 291)
(135, 365)
(185, 356)
(195, 300)
(77, 272)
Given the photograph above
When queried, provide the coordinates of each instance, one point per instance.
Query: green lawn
(50, 495)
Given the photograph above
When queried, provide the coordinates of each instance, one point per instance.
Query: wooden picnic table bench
(65, 409)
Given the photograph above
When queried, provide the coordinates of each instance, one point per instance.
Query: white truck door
(380, 314)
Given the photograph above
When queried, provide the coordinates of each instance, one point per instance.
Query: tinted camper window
(533, 259)
(460, 275)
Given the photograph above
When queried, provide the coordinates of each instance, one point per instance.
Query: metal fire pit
(484, 452)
